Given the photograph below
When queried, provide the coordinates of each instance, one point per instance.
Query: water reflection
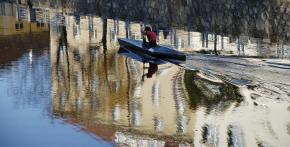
(105, 94)
(243, 28)
(103, 88)
(153, 68)
(213, 96)
(24, 93)
(237, 28)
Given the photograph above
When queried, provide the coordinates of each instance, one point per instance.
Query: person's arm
(144, 36)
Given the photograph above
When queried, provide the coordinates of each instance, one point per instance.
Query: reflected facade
(105, 94)
(242, 35)
(19, 33)
(251, 28)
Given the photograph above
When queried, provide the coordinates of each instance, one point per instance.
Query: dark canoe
(140, 56)
(162, 52)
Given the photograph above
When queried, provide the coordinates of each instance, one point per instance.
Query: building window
(40, 24)
(19, 26)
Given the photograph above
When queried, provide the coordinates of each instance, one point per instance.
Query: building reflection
(101, 89)
(95, 87)
(20, 33)
(237, 42)
(24, 47)
(181, 39)
(104, 92)
(20, 18)
(236, 28)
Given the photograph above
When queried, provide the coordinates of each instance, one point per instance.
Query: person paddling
(151, 36)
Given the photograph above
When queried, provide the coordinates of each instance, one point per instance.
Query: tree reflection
(208, 94)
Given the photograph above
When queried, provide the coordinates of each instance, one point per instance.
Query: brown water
(108, 96)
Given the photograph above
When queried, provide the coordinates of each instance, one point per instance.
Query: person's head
(147, 28)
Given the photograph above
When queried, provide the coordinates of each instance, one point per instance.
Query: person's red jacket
(151, 36)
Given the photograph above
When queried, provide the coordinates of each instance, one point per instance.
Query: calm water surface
(26, 114)
(63, 83)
